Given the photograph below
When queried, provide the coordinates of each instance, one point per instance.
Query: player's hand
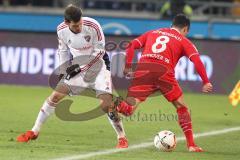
(207, 88)
(128, 73)
(72, 71)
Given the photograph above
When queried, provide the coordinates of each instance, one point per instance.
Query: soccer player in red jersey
(163, 48)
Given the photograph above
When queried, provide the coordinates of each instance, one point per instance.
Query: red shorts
(149, 78)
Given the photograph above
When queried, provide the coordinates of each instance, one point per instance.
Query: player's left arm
(98, 38)
(192, 53)
(99, 44)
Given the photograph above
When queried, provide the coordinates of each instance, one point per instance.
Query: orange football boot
(26, 137)
(122, 143)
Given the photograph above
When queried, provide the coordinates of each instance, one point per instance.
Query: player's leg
(185, 122)
(49, 106)
(103, 87)
(46, 111)
(143, 85)
(137, 93)
(171, 90)
(106, 104)
(175, 96)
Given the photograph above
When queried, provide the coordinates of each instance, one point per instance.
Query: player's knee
(180, 106)
(130, 101)
(55, 98)
(106, 102)
(105, 105)
(179, 103)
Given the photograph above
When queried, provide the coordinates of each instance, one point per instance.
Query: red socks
(184, 120)
(125, 108)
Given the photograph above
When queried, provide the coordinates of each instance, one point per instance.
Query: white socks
(46, 111)
(118, 127)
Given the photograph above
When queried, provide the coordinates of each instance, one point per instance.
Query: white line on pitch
(143, 145)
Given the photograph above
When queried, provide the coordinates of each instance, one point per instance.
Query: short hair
(181, 20)
(72, 13)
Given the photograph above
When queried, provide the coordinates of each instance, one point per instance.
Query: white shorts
(99, 81)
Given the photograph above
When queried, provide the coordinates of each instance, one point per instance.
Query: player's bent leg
(136, 95)
(116, 122)
(184, 120)
(108, 107)
(106, 101)
(46, 111)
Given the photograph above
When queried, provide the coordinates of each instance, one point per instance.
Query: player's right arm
(192, 53)
(63, 54)
(137, 43)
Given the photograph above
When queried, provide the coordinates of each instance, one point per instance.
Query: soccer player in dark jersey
(163, 48)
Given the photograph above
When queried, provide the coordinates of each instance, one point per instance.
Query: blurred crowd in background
(167, 8)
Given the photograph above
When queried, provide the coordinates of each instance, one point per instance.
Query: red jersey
(166, 46)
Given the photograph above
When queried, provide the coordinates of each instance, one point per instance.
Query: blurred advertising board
(29, 58)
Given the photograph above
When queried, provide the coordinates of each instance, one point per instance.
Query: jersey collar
(175, 29)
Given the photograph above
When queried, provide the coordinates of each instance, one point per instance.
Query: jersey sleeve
(137, 43)
(63, 54)
(189, 49)
(98, 38)
(200, 68)
(192, 53)
(142, 39)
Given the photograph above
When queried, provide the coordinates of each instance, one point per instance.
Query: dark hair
(72, 13)
(180, 20)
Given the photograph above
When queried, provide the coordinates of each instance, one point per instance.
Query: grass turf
(20, 105)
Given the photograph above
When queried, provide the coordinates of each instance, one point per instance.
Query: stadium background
(28, 44)
(27, 32)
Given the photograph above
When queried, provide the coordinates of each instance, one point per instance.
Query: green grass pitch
(19, 106)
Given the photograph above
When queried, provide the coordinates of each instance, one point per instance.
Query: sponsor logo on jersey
(84, 48)
(87, 38)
